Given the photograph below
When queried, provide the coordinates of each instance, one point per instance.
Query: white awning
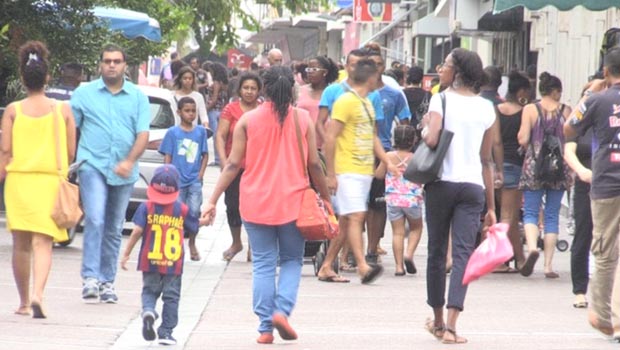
(431, 25)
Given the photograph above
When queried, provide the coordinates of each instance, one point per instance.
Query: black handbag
(426, 164)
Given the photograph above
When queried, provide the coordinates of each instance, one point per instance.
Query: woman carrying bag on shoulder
(271, 190)
(38, 143)
(456, 200)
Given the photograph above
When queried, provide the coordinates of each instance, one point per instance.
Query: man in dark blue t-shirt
(70, 78)
(599, 109)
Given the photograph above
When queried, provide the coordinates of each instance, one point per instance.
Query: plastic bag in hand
(492, 252)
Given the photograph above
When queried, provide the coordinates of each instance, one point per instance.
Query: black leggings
(580, 250)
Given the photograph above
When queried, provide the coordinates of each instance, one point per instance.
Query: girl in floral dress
(404, 201)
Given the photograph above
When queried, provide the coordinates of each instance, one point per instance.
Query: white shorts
(352, 193)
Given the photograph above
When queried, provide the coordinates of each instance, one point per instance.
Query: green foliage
(213, 23)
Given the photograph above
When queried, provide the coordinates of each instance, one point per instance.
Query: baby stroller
(315, 251)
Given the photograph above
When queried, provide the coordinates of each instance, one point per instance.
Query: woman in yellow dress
(28, 161)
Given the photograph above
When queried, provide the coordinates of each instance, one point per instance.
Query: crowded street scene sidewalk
(505, 311)
(332, 174)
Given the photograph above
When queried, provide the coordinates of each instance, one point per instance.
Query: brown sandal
(436, 331)
(456, 340)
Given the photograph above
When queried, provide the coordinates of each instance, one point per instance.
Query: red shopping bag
(492, 252)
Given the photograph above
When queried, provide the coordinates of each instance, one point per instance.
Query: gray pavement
(503, 311)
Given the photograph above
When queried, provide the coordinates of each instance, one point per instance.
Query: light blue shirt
(109, 125)
(332, 92)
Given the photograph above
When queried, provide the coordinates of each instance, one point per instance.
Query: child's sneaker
(167, 339)
(148, 332)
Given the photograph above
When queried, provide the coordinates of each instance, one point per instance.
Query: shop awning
(564, 5)
(130, 24)
(431, 25)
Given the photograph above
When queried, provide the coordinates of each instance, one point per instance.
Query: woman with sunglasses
(321, 71)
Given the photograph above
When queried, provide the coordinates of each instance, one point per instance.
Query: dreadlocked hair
(279, 82)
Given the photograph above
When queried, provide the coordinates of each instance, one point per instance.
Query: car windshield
(161, 113)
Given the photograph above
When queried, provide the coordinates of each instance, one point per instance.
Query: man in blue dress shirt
(113, 117)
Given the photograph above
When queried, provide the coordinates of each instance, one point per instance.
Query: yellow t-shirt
(354, 146)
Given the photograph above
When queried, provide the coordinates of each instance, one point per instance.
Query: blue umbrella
(131, 24)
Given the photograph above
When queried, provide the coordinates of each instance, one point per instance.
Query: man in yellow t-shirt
(351, 140)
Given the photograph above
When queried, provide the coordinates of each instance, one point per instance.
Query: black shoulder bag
(426, 164)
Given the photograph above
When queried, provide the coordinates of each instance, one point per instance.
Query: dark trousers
(231, 199)
(580, 250)
(457, 206)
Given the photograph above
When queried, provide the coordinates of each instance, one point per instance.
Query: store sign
(372, 11)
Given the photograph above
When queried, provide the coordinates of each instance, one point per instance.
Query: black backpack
(550, 161)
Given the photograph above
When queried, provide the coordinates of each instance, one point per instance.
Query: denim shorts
(512, 175)
(396, 213)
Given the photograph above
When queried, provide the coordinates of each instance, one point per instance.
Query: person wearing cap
(161, 222)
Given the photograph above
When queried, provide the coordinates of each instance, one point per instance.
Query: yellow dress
(33, 179)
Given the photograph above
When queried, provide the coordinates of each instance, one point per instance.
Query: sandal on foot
(345, 267)
(596, 324)
(528, 267)
(280, 322)
(37, 310)
(265, 338)
(410, 266)
(375, 272)
(228, 254)
(334, 279)
(580, 301)
(435, 331)
(452, 333)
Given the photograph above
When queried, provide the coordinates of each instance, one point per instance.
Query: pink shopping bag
(493, 251)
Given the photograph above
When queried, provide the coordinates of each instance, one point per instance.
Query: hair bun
(544, 76)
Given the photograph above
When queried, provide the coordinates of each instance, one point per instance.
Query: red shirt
(273, 181)
(232, 112)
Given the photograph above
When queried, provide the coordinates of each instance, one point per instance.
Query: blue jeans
(532, 200)
(155, 284)
(192, 197)
(214, 118)
(104, 213)
(270, 244)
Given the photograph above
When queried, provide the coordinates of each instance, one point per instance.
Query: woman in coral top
(249, 87)
(271, 190)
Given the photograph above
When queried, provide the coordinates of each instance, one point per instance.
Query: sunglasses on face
(110, 61)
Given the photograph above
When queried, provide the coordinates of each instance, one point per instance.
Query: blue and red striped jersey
(162, 237)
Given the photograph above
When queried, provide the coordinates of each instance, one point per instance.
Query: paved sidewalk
(503, 311)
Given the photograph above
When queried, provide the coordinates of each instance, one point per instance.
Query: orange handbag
(66, 212)
(316, 220)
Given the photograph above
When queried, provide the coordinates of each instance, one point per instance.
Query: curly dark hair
(517, 81)
(33, 64)
(219, 72)
(415, 75)
(332, 68)
(468, 68)
(547, 83)
(249, 76)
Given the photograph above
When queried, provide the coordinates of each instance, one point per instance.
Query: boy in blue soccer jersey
(185, 147)
(161, 222)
